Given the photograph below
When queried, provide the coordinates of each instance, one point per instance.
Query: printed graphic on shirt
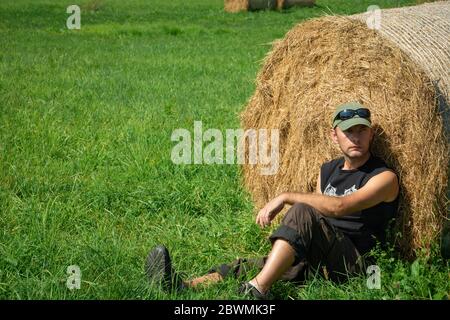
(350, 191)
(331, 191)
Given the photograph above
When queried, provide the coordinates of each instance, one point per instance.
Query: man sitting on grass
(331, 230)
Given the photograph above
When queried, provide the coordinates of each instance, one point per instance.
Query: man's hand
(270, 210)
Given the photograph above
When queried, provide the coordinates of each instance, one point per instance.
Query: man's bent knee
(301, 213)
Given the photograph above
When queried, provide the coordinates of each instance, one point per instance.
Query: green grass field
(86, 176)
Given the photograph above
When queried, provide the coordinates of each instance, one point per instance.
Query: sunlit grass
(85, 124)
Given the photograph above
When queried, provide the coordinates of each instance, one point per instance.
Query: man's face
(354, 142)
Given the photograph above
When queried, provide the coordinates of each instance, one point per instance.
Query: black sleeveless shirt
(367, 226)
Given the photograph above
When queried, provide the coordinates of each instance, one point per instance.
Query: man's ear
(333, 136)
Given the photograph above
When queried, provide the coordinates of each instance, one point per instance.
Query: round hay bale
(399, 72)
(286, 4)
(235, 5)
(249, 5)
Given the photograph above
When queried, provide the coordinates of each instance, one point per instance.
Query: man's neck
(355, 163)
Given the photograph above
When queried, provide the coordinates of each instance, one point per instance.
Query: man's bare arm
(382, 187)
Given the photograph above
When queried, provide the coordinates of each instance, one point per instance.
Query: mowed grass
(86, 176)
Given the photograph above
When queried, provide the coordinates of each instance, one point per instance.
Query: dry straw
(236, 5)
(399, 72)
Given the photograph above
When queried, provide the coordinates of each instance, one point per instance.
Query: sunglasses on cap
(350, 113)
